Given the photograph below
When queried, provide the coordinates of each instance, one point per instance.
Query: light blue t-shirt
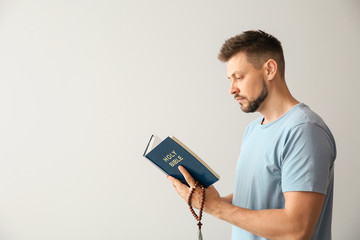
(293, 153)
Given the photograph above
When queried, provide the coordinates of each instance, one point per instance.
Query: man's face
(247, 83)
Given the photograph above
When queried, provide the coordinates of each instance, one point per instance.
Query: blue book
(170, 153)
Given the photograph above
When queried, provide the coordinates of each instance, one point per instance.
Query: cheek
(252, 90)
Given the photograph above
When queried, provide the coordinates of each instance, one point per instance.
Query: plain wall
(83, 85)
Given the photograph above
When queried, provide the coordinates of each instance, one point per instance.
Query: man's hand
(212, 197)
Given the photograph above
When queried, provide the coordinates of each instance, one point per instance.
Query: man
(284, 176)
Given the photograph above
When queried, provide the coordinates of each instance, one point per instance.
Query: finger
(189, 179)
(176, 183)
(180, 188)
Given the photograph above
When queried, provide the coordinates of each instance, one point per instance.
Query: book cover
(171, 153)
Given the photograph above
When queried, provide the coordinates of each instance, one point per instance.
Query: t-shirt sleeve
(307, 159)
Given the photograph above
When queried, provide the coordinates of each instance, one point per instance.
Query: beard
(252, 106)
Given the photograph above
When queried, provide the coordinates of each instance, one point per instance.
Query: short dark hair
(258, 47)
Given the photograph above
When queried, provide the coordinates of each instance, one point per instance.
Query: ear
(270, 69)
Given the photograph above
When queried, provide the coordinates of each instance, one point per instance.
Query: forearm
(228, 198)
(269, 223)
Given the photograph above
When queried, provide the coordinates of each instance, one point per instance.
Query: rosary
(198, 218)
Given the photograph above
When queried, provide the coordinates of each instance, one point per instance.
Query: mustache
(239, 96)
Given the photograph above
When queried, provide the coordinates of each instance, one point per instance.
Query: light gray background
(83, 85)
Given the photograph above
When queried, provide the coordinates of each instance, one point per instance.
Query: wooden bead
(198, 218)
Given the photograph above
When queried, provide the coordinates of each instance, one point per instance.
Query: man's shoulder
(308, 126)
(298, 118)
(304, 116)
(298, 115)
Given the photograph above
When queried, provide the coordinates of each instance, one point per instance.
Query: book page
(154, 141)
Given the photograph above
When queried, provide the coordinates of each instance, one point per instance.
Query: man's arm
(296, 221)
(228, 198)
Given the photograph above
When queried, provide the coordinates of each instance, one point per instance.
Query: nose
(233, 88)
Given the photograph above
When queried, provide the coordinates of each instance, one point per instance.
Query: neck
(278, 102)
